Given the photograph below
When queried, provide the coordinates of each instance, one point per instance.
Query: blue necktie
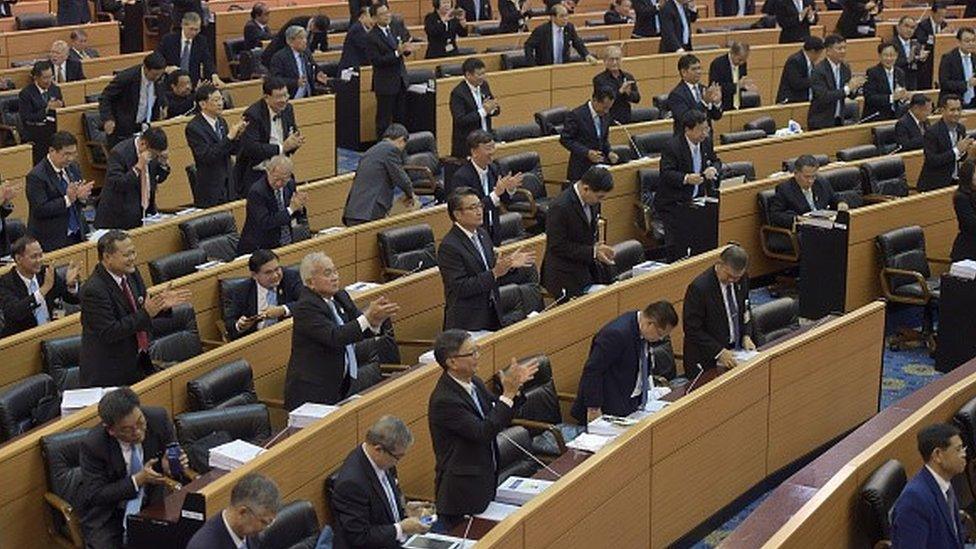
(734, 313)
(477, 10)
(967, 73)
(351, 363)
(185, 56)
(684, 24)
(134, 505)
(73, 225)
(272, 302)
(481, 249)
(598, 126)
(557, 51)
(40, 312)
(645, 386)
(696, 166)
(477, 403)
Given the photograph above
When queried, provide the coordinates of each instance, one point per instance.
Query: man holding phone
(264, 299)
(31, 291)
(623, 83)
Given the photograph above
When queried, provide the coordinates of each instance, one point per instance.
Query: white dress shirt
(483, 178)
(238, 541)
(277, 130)
(211, 121)
(384, 481)
(127, 455)
(728, 311)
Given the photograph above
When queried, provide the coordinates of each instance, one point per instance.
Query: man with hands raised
(212, 141)
(832, 83)
(690, 94)
(56, 194)
(135, 168)
(29, 293)
(274, 208)
(480, 175)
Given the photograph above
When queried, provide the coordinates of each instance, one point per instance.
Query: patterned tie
(40, 312)
(644, 373)
(134, 505)
(285, 232)
(734, 314)
(390, 495)
(696, 166)
(142, 337)
(272, 302)
(145, 191)
(185, 56)
(598, 124)
(477, 403)
(557, 52)
(481, 249)
(74, 226)
(59, 75)
(351, 364)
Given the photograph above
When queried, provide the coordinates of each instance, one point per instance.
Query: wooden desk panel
(15, 164)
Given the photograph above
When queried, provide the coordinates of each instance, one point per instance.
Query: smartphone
(173, 453)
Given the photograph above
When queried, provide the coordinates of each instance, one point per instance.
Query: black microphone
(895, 151)
(526, 452)
(554, 303)
(630, 137)
(419, 266)
(694, 381)
(871, 116)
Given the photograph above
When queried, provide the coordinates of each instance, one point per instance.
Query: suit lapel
(937, 493)
(374, 483)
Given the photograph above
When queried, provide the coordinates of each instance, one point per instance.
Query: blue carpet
(348, 160)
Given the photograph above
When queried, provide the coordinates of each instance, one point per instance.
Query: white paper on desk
(208, 265)
(96, 234)
(418, 88)
(965, 269)
(361, 287)
(589, 442)
(497, 511)
(655, 405)
(742, 355)
(233, 454)
(460, 543)
(331, 230)
(659, 391)
(186, 211)
(79, 398)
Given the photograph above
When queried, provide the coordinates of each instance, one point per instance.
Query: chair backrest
(904, 249)
(885, 175)
(91, 123)
(551, 121)
(661, 102)
(449, 69)
(822, 159)
(851, 113)
(511, 460)
(200, 431)
(229, 289)
(589, 38)
(62, 464)
(369, 374)
(878, 496)
(744, 168)
(338, 25)
(774, 319)
(514, 60)
(175, 265)
(857, 152)
(501, 48)
(518, 300)
(765, 198)
(408, 248)
(296, 526)
(626, 254)
(885, 138)
(216, 233)
(764, 123)
(31, 21)
(749, 99)
(516, 132)
(965, 419)
(648, 179)
(61, 361)
(420, 76)
(846, 183)
(624, 153)
(176, 347)
(509, 228)
(529, 164)
(741, 137)
(644, 114)
(421, 150)
(191, 177)
(27, 403)
(652, 143)
(228, 385)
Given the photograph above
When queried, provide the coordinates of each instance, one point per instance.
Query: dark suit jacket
(212, 158)
(316, 369)
(854, 15)
(283, 66)
(464, 113)
(792, 29)
(681, 100)
(705, 321)
(380, 170)
(355, 47)
(964, 247)
(906, 62)
(826, 95)
(246, 303)
(671, 29)
(952, 79)
(73, 70)
(730, 8)
(620, 110)
(316, 41)
(579, 136)
(512, 16)
(647, 14)
(262, 226)
(109, 348)
(361, 510)
(794, 84)
(201, 65)
(940, 159)
(120, 204)
(179, 106)
(32, 107)
(877, 93)
(213, 535)
(441, 38)
(471, 299)
(720, 70)
(467, 176)
(76, 55)
(106, 483)
(73, 12)
(611, 369)
(922, 517)
(5, 210)
(256, 146)
(538, 47)
(18, 306)
(789, 202)
(611, 17)
(569, 263)
(389, 70)
(120, 102)
(470, 15)
(676, 162)
(48, 217)
(254, 34)
(464, 445)
(908, 134)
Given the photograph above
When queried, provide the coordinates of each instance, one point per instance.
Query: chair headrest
(841, 179)
(857, 152)
(408, 247)
(652, 143)
(644, 114)
(19, 402)
(627, 254)
(420, 76)
(744, 168)
(765, 197)
(421, 142)
(878, 496)
(231, 384)
(296, 522)
(822, 159)
(62, 462)
(524, 162)
(884, 134)
(549, 119)
(515, 132)
(61, 360)
(661, 102)
(776, 318)
(449, 69)
(740, 137)
(902, 240)
(28, 21)
(764, 123)
(885, 167)
(648, 179)
(514, 60)
(249, 422)
(204, 227)
(175, 265)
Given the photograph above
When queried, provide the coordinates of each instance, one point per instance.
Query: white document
(963, 269)
(208, 265)
(519, 490)
(357, 287)
(589, 442)
(96, 234)
(307, 413)
(647, 267)
(655, 405)
(331, 230)
(234, 454)
(186, 211)
(742, 355)
(497, 511)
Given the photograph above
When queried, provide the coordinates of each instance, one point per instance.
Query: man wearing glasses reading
(254, 503)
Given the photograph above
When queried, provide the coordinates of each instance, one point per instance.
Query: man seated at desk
(911, 127)
(30, 292)
(254, 503)
(801, 194)
(615, 378)
(266, 298)
(120, 468)
(179, 94)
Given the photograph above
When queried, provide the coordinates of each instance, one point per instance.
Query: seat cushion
(915, 290)
(545, 443)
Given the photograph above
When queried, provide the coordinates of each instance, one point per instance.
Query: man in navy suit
(472, 105)
(801, 194)
(946, 145)
(355, 47)
(36, 105)
(274, 208)
(265, 300)
(586, 134)
(190, 51)
(480, 174)
(926, 514)
(550, 42)
(387, 53)
(616, 376)
(212, 142)
(733, 8)
(956, 71)
(368, 508)
(271, 130)
(676, 19)
(832, 83)
(135, 168)
(254, 503)
(911, 127)
(689, 94)
(29, 293)
(885, 92)
(56, 194)
(133, 99)
(794, 83)
(294, 65)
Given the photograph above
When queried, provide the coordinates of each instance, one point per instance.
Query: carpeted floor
(348, 160)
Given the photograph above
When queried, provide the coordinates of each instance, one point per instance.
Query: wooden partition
(15, 164)
(35, 44)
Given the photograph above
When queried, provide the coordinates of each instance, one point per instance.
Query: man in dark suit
(36, 106)
(443, 27)
(294, 65)
(550, 42)
(616, 377)
(78, 40)
(472, 106)
(31, 294)
(179, 94)
(620, 13)
(911, 127)
(317, 27)
(470, 269)
(647, 23)
(182, 7)
(73, 12)
(133, 99)
(274, 209)
(56, 194)
(323, 364)
(885, 92)
(379, 172)
(355, 46)
(271, 130)
(212, 142)
(266, 300)
(716, 316)
(802, 193)
(256, 30)
(734, 8)
(794, 83)
(387, 53)
(121, 471)
(66, 69)
(464, 420)
(957, 75)
(190, 51)
(690, 95)
(476, 10)
(925, 33)
(368, 508)
(623, 83)
(135, 168)
(254, 503)
(676, 18)
(574, 256)
(831, 83)
(730, 73)
(117, 315)
(946, 145)
(926, 514)
(910, 52)
(586, 134)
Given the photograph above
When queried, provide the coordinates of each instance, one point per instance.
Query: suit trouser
(389, 109)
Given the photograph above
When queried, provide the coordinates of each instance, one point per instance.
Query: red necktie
(141, 336)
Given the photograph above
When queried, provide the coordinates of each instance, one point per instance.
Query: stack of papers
(232, 455)
(307, 413)
(361, 287)
(73, 400)
(155, 218)
(647, 267)
(588, 442)
(519, 490)
(437, 541)
(331, 230)
(963, 269)
(497, 511)
(186, 211)
(208, 265)
(609, 426)
(741, 355)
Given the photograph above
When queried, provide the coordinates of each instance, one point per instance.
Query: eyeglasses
(393, 455)
(471, 208)
(475, 353)
(265, 522)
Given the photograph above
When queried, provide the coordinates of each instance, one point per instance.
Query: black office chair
(516, 132)
(175, 265)
(646, 220)
(174, 348)
(551, 121)
(60, 357)
(295, 527)
(514, 60)
(34, 21)
(215, 233)
(851, 113)
(741, 137)
(95, 140)
(774, 319)
(884, 138)
(500, 48)
(447, 70)
(739, 168)
(233, 48)
(857, 152)
(228, 385)
(423, 165)
(749, 99)
(511, 460)
(518, 301)
(626, 254)
(27, 404)
(651, 144)
(821, 159)
(531, 200)
(62, 464)
(591, 38)
(624, 153)
(198, 432)
(846, 183)
(884, 177)
(764, 123)
(777, 243)
(877, 498)
(644, 114)
(660, 102)
(509, 228)
(404, 250)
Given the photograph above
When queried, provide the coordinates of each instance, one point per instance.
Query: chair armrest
(566, 397)
(210, 344)
(542, 426)
(190, 474)
(12, 131)
(393, 368)
(393, 271)
(533, 207)
(888, 272)
(453, 160)
(878, 198)
(792, 257)
(408, 341)
(67, 512)
(273, 402)
(563, 183)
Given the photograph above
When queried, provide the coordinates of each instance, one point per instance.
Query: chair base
(912, 339)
